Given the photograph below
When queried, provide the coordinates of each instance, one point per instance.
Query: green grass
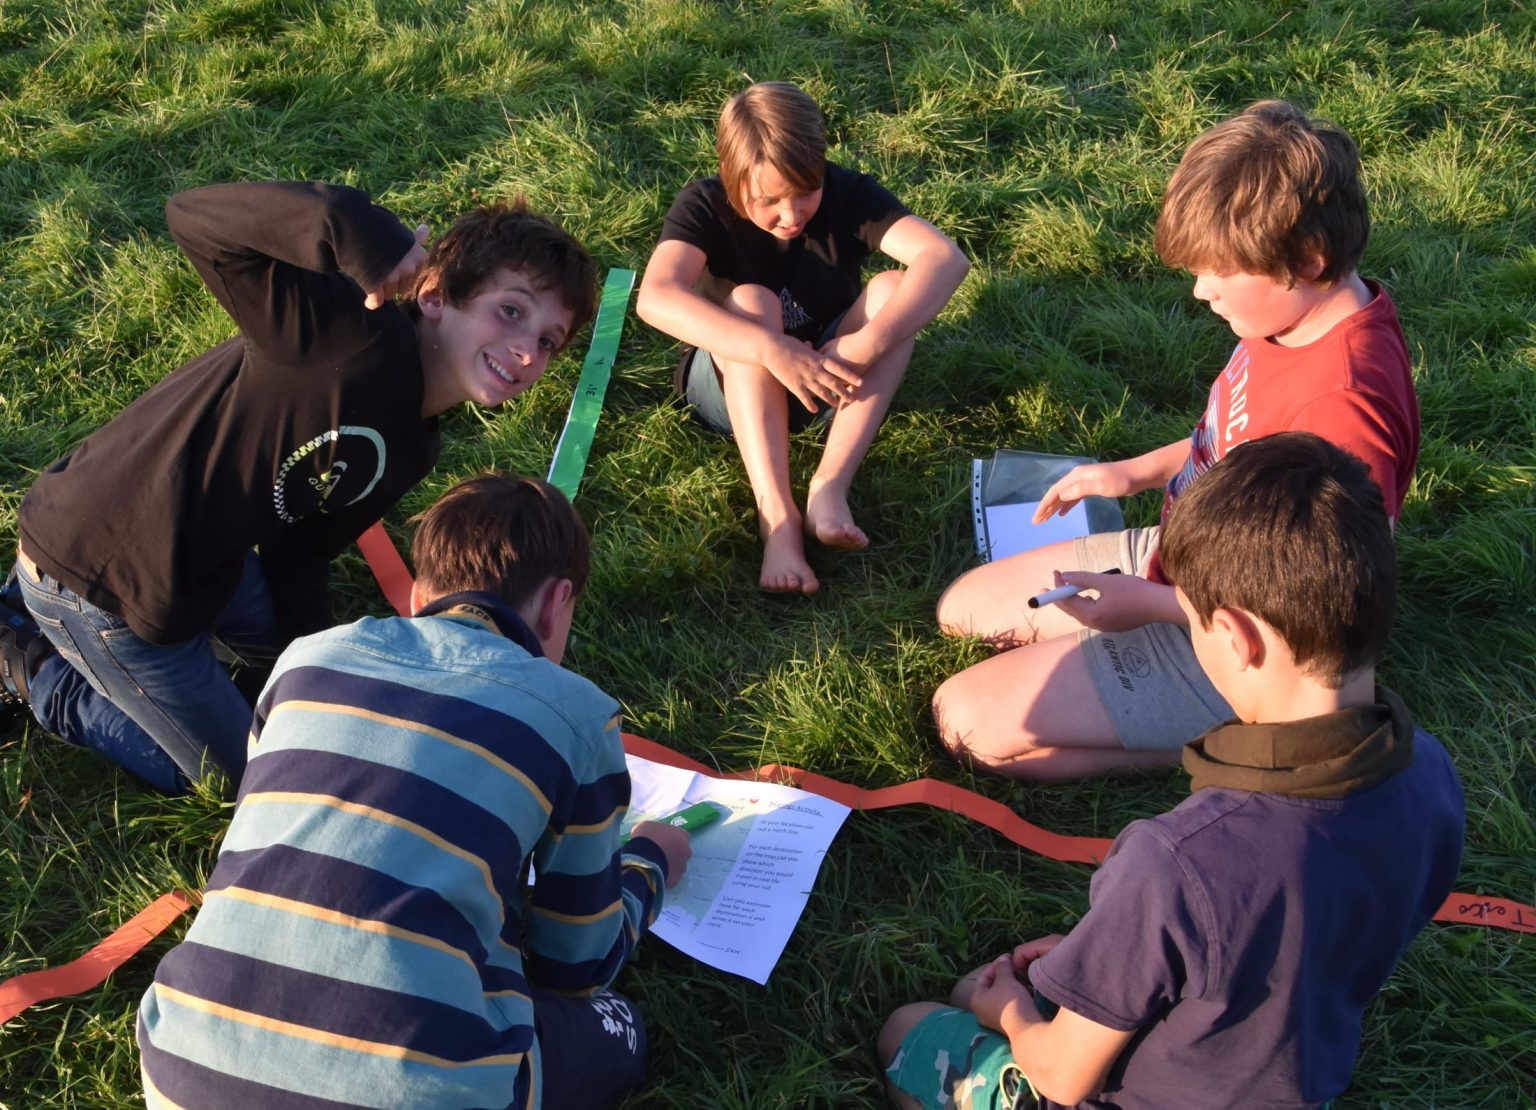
(1038, 134)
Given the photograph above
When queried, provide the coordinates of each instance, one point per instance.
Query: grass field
(1038, 134)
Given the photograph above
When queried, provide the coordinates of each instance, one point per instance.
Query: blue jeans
(166, 712)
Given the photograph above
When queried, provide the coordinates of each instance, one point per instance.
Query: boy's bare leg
(896, 1028)
(853, 428)
(758, 406)
(991, 601)
(1033, 714)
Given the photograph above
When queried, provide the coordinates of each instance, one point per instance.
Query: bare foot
(785, 570)
(828, 518)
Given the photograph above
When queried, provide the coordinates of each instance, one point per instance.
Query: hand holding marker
(694, 818)
(1050, 597)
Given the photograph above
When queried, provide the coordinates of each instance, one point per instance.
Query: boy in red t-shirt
(1268, 212)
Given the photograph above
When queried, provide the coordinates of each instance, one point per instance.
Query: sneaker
(23, 647)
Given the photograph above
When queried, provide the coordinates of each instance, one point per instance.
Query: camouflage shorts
(949, 1062)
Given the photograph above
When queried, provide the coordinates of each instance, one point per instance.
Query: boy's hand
(1000, 1001)
(674, 844)
(403, 276)
(809, 374)
(1031, 950)
(1125, 601)
(1085, 480)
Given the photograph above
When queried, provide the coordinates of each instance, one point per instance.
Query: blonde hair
(1267, 192)
(772, 123)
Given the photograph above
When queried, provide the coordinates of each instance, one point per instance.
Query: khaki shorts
(1147, 679)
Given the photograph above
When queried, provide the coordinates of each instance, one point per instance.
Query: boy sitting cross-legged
(200, 522)
(367, 936)
(1268, 211)
(758, 271)
(1232, 944)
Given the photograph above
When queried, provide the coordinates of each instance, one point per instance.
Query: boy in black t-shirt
(138, 553)
(758, 272)
(1232, 944)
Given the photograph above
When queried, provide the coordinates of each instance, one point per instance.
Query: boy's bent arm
(1067, 1058)
(669, 303)
(593, 899)
(261, 247)
(935, 268)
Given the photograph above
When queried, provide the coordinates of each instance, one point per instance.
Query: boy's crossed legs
(1064, 702)
(758, 406)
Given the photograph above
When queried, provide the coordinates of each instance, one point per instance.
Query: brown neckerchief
(1330, 756)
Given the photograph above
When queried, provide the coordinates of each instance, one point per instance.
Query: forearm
(1154, 469)
(926, 287)
(688, 316)
(1050, 1059)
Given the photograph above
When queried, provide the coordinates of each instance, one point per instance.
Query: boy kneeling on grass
(1232, 944)
(200, 522)
(367, 935)
(758, 272)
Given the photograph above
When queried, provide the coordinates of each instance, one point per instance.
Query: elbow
(1062, 1083)
(645, 304)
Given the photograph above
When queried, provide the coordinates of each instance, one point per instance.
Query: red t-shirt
(1353, 387)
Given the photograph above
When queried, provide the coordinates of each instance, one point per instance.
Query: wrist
(1016, 1016)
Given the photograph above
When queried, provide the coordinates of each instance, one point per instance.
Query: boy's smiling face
(773, 204)
(496, 343)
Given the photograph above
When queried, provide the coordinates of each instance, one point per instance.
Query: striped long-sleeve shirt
(368, 936)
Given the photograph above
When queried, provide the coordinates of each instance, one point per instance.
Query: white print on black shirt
(617, 1018)
(794, 315)
(296, 494)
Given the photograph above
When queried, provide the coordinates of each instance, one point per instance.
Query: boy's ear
(430, 300)
(550, 603)
(1315, 265)
(1238, 633)
(417, 601)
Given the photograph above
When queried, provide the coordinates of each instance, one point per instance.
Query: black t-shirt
(293, 437)
(816, 274)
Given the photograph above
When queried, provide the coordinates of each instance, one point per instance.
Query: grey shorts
(1148, 679)
(699, 384)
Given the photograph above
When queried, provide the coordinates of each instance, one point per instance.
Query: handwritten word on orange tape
(92, 969)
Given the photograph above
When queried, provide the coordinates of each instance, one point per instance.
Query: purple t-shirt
(1244, 934)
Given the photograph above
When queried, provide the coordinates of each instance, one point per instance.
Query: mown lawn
(1039, 135)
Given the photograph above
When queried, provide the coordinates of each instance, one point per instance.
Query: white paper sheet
(1010, 531)
(747, 883)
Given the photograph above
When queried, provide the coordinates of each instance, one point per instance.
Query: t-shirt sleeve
(872, 209)
(594, 897)
(1358, 423)
(286, 259)
(692, 219)
(1140, 948)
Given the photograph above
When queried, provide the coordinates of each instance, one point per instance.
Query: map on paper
(751, 872)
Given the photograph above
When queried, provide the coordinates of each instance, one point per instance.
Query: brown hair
(773, 123)
(502, 534)
(507, 236)
(1267, 192)
(1293, 530)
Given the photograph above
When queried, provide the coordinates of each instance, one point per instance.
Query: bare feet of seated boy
(829, 520)
(785, 570)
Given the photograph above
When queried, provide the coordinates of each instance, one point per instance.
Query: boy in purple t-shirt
(1232, 944)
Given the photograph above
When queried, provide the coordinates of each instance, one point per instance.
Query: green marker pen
(695, 817)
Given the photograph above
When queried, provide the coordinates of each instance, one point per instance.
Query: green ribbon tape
(587, 404)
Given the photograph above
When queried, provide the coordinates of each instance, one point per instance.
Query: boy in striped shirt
(368, 936)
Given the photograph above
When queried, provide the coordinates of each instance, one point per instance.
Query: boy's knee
(898, 1025)
(881, 288)
(757, 303)
(969, 727)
